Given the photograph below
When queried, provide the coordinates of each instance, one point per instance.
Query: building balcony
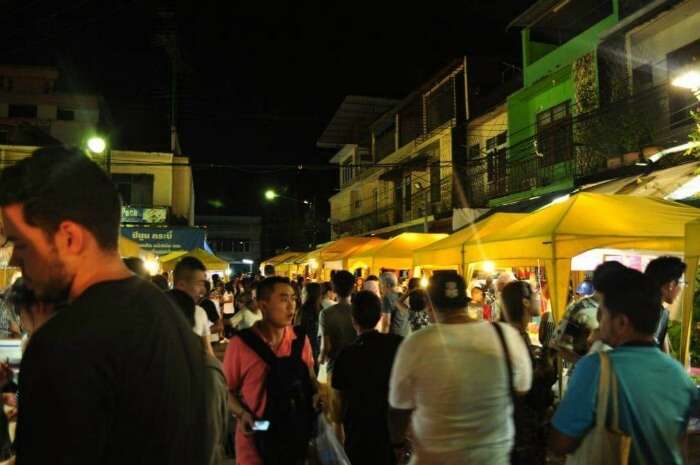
(590, 147)
(431, 203)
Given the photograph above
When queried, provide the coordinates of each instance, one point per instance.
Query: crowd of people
(119, 367)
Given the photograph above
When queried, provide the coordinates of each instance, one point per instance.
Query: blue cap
(585, 288)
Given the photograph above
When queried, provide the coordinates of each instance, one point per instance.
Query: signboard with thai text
(162, 241)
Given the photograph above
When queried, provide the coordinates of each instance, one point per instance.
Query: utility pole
(166, 37)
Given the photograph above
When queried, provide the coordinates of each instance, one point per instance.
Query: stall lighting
(151, 266)
(688, 189)
(678, 148)
(689, 80)
(489, 267)
(424, 282)
(313, 264)
(247, 261)
(227, 272)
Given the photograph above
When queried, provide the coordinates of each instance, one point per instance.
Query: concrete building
(236, 239)
(29, 98)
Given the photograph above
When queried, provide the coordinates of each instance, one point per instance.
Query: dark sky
(258, 81)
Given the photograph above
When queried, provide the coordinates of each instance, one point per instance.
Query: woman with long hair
(531, 411)
(307, 317)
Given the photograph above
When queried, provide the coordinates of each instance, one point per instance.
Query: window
(407, 193)
(22, 111)
(230, 245)
(65, 115)
(554, 142)
(241, 245)
(496, 156)
(475, 152)
(135, 189)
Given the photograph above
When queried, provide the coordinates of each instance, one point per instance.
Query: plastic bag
(327, 450)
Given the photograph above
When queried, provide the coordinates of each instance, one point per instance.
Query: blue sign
(162, 241)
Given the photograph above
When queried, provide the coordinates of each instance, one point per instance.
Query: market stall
(395, 253)
(212, 262)
(279, 259)
(554, 235)
(448, 253)
(334, 256)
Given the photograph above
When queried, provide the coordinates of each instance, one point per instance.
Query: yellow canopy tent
(211, 261)
(130, 248)
(278, 259)
(449, 252)
(692, 253)
(334, 256)
(555, 234)
(395, 253)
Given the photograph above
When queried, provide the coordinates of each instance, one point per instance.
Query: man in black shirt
(361, 381)
(666, 273)
(116, 376)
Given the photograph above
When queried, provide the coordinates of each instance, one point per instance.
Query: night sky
(257, 81)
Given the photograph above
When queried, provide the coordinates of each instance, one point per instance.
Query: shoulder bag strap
(257, 345)
(298, 343)
(506, 353)
(603, 391)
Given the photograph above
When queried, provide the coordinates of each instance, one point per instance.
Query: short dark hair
(207, 286)
(326, 287)
(418, 300)
(512, 296)
(267, 286)
(372, 277)
(413, 283)
(185, 267)
(160, 281)
(366, 309)
(136, 265)
(58, 184)
(663, 270)
(633, 294)
(343, 283)
(604, 275)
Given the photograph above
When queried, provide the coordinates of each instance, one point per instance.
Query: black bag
(289, 406)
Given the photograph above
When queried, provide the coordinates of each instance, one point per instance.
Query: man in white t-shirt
(450, 382)
(190, 276)
(250, 313)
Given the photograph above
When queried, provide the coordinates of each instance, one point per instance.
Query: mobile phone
(261, 425)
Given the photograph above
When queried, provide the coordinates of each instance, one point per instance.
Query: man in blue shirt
(656, 395)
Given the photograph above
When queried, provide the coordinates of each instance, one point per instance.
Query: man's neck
(272, 334)
(106, 267)
(454, 317)
(344, 300)
(635, 337)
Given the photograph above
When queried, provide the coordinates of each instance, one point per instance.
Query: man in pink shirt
(247, 372)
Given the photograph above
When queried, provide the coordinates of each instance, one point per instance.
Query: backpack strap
(257, 345)
(298, 344)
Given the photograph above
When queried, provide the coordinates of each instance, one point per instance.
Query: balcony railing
(391, 214)
(583, 147)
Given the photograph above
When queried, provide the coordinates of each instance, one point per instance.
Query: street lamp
(97, 145)
(270, 194)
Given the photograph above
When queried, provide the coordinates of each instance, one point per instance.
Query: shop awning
(555, 234)
(211, 261)
(277, 259)
(395, 253)
(344, 247)
(448, 252)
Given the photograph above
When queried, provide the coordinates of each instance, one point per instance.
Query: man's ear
(71, 238)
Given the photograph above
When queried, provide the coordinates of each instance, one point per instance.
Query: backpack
(289, 406)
